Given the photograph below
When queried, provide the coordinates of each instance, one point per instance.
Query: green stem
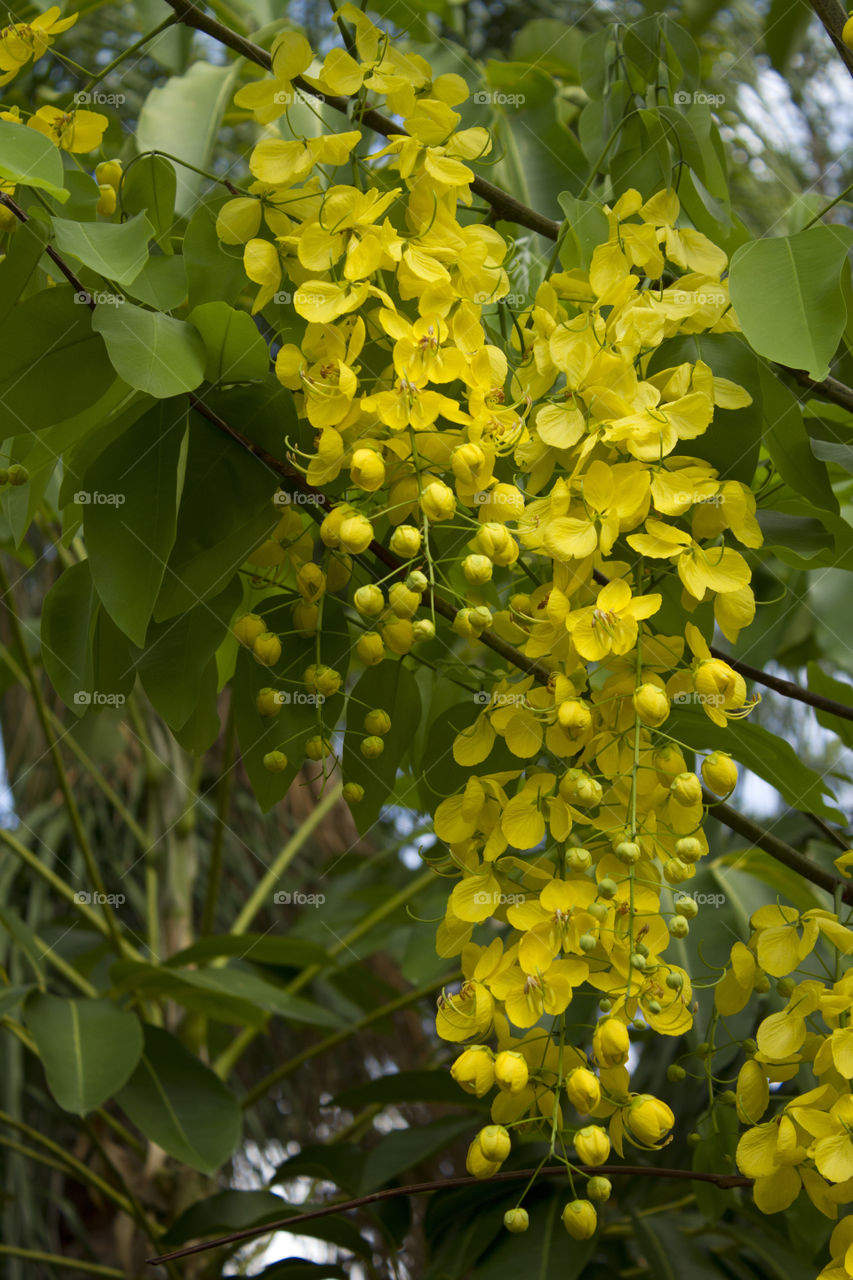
(76, 1166)
(138, 44)
(64, 890)
(65, 1264)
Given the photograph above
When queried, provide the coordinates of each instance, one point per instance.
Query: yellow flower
(75, 130)
(648, 1121)
(580, 1219)
(610, 1043)
(25, 40)
(610, 626)
(592, 1145)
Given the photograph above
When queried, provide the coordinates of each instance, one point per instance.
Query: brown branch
(786, 687)
(827, 389)
(833, 17)
(15, 208)
(726, 1181)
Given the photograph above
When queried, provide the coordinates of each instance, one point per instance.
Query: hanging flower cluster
(540, 477)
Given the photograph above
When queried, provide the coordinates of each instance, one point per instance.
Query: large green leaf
(183, 117)
(52, 365)
(131, 499)
(176, 653)
(152, 352)
(839, 691)
(89, 1048)
(214, 539)
(228, 995)
(214, 273)
(179, 1103)
(260, 948)
(788, 298)
(67, 626)
(149, 185)
(19, 264)
(236, 352)
(790, 447)
(116, 250)
(405, 1148)
(546, 1251)
(31, 159)
(390, 687)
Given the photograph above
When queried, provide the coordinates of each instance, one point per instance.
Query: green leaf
(390, 687)
(214, 539)
(660, 1261)
(183, 117)
(22, 936)
(22, 258)
(11, 997)
(585, 228)
(551, 45)
(89, 1048)
(404, 1148)
(263, 948)
(797, 539)
(789, 445)
(162, 283)
(116, 250)
(214, 272)
(52, 366)
(179, 1103)
(177, 651)
(149, 185)
(545, 1252)
(715, 1154)
(752, 880)
(833, 451)
(67, 628)
(785, 30)
(238, 1210)
(31, 159)
(766, 754)
(227, 995)
(131, 498)
(406, 1086)
(788, 298)
(840, 691)
(236, 352)
(152, 352)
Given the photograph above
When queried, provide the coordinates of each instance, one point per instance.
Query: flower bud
(310, 581)
(687, 907)
(610, 1043)
(675, 871)
(468, 462)
(248, 628)
(495, 541)
(275, 761)
(599, 1189)
(330, 529)
(267, 649)
(628, 851)
(370, 648)
(106, 205)
(369, 601)
(305, 619)
(580, 1219)
(689, 849)
(268, 702)
(338, 571)
(477, 569)
(327, 681)
(494, 1143)
(352, 793)
(675, 981)
(678, 927)
(516, 1220)
(406, 541)
(423, 629)
(720, 685)
(648, 1120)
(686, 789)
(592, 1144)
(403, 602)
(399, 636)
(651, 705)
(668, 763)
(719, 772)
(317, 748)
(675, 1073)
(608, 888)
(377, 721)
(355, 534)
(438, 501)
(511, 1071)
(578, 860)
(583, 1090)
(575, 717)
(578, 788)
(474, 1070)
(367, 470)
(477, 1164)
(417, 581)
(371, 748)
(108, 173)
